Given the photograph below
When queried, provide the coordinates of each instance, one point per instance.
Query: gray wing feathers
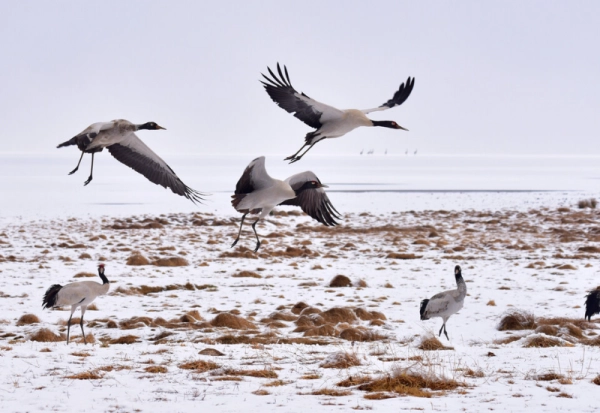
(134, 153)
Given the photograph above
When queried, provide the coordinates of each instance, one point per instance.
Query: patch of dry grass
(596, 380)
(171, 262)
(27, 319)
(263, 374)
(340, 281)
(330, 392)
(341, 360)
(199, 366)
(137, 259)
(403, 256)
(232, 321)
(246, 274)
(354, 381)
(84, 275)
(517, 320)
(339, 315)
(128, 339)
(86, 375)
(431, 343)
(542, 341)
(156, 369)
(44, 335)
(411, 384)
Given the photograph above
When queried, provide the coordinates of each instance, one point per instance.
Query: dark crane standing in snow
(124, 145)
(592, 304)
(446, 303)
(328, 121)
(77, 294)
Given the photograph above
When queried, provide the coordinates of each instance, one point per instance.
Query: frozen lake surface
(38, 185)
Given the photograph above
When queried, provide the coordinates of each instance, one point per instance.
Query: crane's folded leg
(91, 173)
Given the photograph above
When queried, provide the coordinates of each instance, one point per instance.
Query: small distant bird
(416, 151)
(77, 294)
(256, 192)
(446, 303)
(123, 144)
(328, 121)
(592, 304)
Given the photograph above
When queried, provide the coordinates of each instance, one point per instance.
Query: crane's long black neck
(460, 282)
(384, 123)
(102, 276)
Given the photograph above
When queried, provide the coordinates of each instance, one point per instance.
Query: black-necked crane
(257, 193)
(124, 145)
(328, 121)
(592, 304)
(78, 294)
(446, 303)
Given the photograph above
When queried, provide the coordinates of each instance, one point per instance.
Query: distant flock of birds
(256, 192)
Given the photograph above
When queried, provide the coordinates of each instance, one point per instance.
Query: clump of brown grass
(379, 396)
(491, 303)
(330, 392)
(326, 330)
(191, 317)
(339, 315)
(341, 360)
(587, 203)
(403, 256)
(199, 366)
(431, 343)
(86, 375)
(156, 369)
(261, 392)
(137, 259)
(84, 275)
(354, 381)
(171, 262)
(277, 383)
(360, 334)
(246, 274)
(44, 335)
(517, 320)
(474, 373)
(411, 383)
(263, 374)
(507, 340)
(211, 352)
(565, 395)
(232, 321)
(596, 380)
(310, 376)
(27, 319)
(298, 307)
(340, 281)
(546, 376)
(366, 315)
(547, 329)
(128, 339)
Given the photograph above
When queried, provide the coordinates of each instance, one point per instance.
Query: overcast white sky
(491, 77)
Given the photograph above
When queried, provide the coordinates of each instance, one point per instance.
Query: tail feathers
(423, 308)
(72, 141)
(51, 296)
(592, 304)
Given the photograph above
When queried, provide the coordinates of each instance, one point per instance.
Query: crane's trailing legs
(78, 163)
(91, 172)
(256, 235)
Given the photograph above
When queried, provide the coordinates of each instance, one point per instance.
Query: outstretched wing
(313, 201)
(134, 153)
(399, 97)
(308, 110)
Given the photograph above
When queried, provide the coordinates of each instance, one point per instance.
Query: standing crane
(77, 294)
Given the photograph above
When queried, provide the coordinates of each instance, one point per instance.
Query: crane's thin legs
(240, 231)
(81, 324)
(293, 157)
(69, 325)
(445, 332)
(257, 240)
(78, 163)
(91, 173)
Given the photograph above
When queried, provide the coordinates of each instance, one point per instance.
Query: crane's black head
(314, 184)
(150, 126)
(457, 271)
(388, 124)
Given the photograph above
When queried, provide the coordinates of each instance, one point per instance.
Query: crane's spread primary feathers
(256, 192)
(592, 304)
(446, 303)
(328, 121)
(124, 145)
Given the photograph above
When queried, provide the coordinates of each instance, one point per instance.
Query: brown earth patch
(246, 274)
(340, 281)
(232, 321)
(171, 262)
(517, 320)
(199, 366)
(341, 360)
(27, 319)
(44, 335)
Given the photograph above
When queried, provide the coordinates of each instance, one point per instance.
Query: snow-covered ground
(398, 243)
